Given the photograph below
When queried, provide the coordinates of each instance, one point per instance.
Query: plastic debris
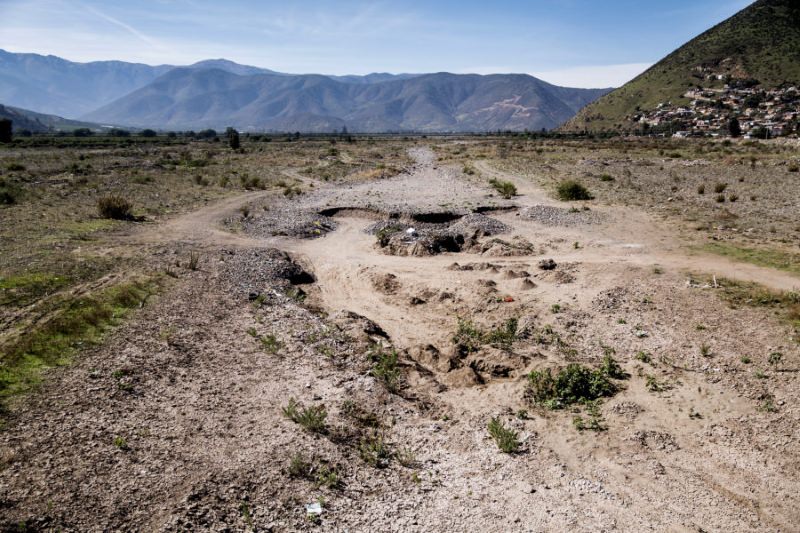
(314, 508)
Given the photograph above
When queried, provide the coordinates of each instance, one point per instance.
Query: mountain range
(218, 93)
(759, 46)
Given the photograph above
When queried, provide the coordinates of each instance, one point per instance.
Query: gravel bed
(290, 221)
(559, 216)
(259, 271)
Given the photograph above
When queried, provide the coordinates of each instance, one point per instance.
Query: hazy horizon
(565, 44)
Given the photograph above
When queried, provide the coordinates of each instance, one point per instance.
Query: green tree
(5, 130)
(233, 138)
(734, 128)
(148, 133)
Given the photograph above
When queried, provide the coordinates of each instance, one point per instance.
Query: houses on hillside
(708, 111)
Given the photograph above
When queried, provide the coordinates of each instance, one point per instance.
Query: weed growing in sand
(386, 368)
(767, 404)
(374, 450)
(194, 261)
(504, 335)
(247, 516)
(323, 475)
(468, 336)
(407, 458)
(609, 367)
(571, 190)
(775, 358)
(505, 188)
(360, 415)
(573, 384)
(311, 418)
(746, 359)
(270, 344)
(121, 443)
(644, 357)
(507, 439)
(594, 420)
(299, 467)
(705, 350)
(652, 384)
(327, 476)
(471, 338)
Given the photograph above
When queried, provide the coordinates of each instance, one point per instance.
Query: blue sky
(582, 43)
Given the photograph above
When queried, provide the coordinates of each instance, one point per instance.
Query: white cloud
(599, 76)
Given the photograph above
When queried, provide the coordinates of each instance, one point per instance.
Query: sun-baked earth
(357, 341)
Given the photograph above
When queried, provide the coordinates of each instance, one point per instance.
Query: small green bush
(471, 338)
(507, 439)
(505, 188)
(115, 207)
(374, 450)
(9, 194)
(311, 418)
(573, 384)
(594, 422)
(571, 190)
(386, 368)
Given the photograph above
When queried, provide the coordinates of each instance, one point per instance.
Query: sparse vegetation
(311, 418)
(506, 439)
(73, 322)
(573, 384)
(471, 338)
(594, 420)
(374, 450)
(115, 207)
(570, 190)
(505, 188)
(386, 368)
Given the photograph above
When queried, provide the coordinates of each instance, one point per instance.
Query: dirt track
(206, 437)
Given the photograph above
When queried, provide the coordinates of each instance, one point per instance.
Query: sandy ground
(198, 402)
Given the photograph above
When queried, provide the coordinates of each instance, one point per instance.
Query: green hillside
(761, 42)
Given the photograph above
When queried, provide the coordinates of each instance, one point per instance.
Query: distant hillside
(21, 121)
(50, 84)
(24, 119)
(53, 85)
(191, 98)
(761, 42)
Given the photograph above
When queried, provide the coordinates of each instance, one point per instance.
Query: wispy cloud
(127, 27)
